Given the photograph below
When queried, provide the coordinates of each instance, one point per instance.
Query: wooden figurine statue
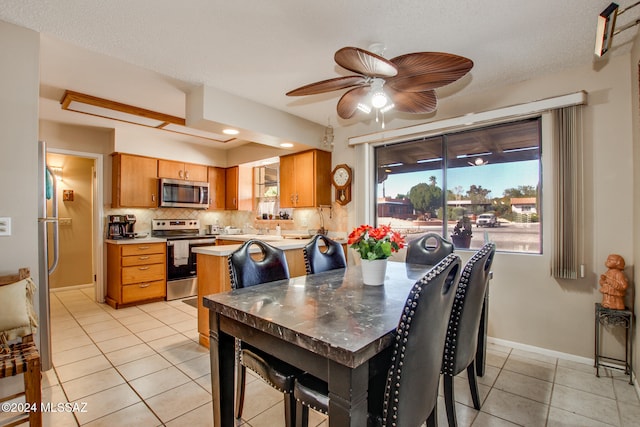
(613, 283)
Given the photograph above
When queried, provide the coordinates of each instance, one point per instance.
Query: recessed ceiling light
(286, 145)
(230, 131)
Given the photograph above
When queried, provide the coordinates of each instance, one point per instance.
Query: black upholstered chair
(411, 382)
(428, 249)
(462, 333)
(317, 260)
(245, 271)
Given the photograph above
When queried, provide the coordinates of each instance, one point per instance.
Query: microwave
(176, 193)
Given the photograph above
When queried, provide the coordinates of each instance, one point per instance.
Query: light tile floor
(142, 366)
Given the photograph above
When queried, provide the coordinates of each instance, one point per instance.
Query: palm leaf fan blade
(364, 62)
(328, 85)
(413, 102)
(431, 62)
(348, 104)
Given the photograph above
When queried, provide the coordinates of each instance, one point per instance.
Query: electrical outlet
(64, 221)
(5, 226)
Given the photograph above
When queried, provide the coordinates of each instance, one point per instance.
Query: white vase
(373, 271)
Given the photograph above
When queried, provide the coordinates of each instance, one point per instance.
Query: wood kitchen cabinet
(239, 188)
(305, 179)
(135, 181)
(217, 188)
(136, 273)
(180, 170)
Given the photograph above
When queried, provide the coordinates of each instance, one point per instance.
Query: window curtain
(567, 172)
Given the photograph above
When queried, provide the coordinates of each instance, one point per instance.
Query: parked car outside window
(487, 220)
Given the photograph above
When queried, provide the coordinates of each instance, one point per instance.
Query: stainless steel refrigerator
(47, 228)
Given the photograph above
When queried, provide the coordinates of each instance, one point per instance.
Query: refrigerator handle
(54, 215)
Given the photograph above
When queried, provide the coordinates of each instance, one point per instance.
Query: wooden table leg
(348, 395)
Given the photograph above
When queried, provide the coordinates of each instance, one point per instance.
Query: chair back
(411, 390)
(245, 271)
(462, 332)
(317, 261)
(420, 251)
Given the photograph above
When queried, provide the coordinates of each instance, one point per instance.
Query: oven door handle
(196, 242)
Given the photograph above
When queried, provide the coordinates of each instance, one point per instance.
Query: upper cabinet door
(305, 179)
(217, 184)
(135, 182)
(287, 182)
(179, 170)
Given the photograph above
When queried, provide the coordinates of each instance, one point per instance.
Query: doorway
(79, 192)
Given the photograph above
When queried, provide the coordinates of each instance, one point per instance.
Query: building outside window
(432, 183)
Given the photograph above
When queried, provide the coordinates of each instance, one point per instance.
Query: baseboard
(540, 350)
(71, 288)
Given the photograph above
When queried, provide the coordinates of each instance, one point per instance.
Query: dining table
(328, 324)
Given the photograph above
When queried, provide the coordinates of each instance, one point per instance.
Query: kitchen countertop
(277, 241)
(136, 241)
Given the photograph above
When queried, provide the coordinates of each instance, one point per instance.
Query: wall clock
(341, 179)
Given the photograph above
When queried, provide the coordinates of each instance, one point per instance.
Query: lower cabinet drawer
(143, 273)
(128, 261)
(139, 249)
(143, 291)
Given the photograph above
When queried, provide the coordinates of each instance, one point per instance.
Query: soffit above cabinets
(92, 105)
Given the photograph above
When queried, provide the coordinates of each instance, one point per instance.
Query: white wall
(19, 81)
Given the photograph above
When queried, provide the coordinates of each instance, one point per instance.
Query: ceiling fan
(405, 83)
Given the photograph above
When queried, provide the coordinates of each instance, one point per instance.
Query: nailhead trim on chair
(402, 332)
(307, 263)
(449, 357)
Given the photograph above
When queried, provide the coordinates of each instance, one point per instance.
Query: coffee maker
(121, 226)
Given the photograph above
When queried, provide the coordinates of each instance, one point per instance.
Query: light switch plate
(5, 226)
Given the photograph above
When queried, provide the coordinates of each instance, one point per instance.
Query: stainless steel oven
(182, 236)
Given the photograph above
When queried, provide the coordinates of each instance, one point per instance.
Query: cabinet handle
(144, 285)
(142, 248)
(142, 258)
(143, 268)
(186, 174)
(180, 174)
(153, 197)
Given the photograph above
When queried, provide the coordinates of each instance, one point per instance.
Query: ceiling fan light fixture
(364, 108)
(378, 97)
(387, 107)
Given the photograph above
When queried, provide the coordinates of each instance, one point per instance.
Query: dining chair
(18, 351)
(428, 249)
(246, 270)
(317, 260)
(413, 369)
(462, 333)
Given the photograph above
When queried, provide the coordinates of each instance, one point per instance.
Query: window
(432, 183)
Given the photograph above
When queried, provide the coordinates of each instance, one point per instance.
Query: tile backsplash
(335, 219)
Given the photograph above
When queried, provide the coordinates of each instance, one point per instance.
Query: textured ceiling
(261, 49)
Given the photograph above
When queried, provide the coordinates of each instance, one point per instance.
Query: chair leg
(302, 415)
(289, 410)
(33, 391)
(473, 385)
(449, 400)
(241, 373)
(432, 421)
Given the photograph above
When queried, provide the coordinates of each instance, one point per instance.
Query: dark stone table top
(332, 314)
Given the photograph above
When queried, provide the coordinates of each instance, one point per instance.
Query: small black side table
(624, 318)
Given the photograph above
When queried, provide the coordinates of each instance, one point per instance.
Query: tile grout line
(156, 352)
